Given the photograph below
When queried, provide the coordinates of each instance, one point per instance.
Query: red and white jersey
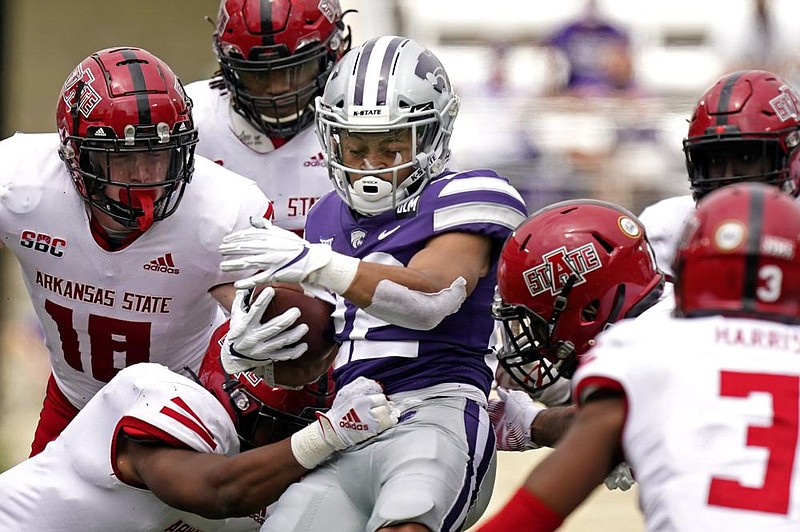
(663, 221)
(104, 310)
(293, 176)
(73, 484)
(713, 411)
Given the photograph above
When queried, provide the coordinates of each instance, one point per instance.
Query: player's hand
(359, 412)
(620, 478)
(280, 255)
(252, 345)
(512, 416)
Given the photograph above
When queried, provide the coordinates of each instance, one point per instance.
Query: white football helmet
(387, 85)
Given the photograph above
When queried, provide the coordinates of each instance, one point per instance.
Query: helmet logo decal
(330, 8)
(629, 227)
(786, 103)
(729, 235)
(357, 238)
(89, 96)
(773, 246)
(558, 265)
(430, 69)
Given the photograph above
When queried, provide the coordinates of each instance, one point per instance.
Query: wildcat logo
(430, 69)
(357, 238)
(558, 265)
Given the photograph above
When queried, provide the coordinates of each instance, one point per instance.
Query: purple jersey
(479, 202)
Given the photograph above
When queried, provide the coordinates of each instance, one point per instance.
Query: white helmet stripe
(373, 69)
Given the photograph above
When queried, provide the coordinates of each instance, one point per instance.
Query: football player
(256, 116)
(565, 274)
(118, 250)
(410, 249)
(743, 128)
(154, 450)
(703, 405)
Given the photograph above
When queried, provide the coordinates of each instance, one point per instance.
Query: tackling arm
(210, 485)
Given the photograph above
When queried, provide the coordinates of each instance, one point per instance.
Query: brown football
(315, 313)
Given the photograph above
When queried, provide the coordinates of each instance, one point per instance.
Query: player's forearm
(215, 486)
(369, 274)
(252, 480)
(550, 424)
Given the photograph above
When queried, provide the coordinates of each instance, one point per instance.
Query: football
(315, 313)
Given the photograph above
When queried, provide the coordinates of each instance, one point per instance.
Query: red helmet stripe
(755, 224)
(267, 31)
(725, 98)
(139, 85)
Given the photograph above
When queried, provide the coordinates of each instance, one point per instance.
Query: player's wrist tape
(529, 443)
(310, 447)
(338, 274)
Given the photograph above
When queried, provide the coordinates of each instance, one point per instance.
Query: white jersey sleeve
(103, 310)
(711, 429)
(663, 221)
(73, 484)
(294, 175)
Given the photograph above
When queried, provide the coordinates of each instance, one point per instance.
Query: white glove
(252, 345)
(359, 412)
(285, 257)
(512, 416)
(621, 478)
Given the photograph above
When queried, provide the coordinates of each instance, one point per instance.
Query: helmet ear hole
(589, 312)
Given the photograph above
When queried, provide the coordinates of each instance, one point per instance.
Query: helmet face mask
(748, 114)
(275, 62)
(364, 98)
(263, 414)
(127, 136)
(257, 423)
(564, 275)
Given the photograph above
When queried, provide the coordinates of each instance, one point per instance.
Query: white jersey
(663, 222)
(104, 310)
(711, 431)
(73, 484)
(293, 176)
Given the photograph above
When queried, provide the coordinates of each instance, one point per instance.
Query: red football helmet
(750, 116)
(739, 256)
(262, 414)
(275, 57)
(564, 275)
(126, 101)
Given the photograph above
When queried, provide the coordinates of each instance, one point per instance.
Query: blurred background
(575, 98)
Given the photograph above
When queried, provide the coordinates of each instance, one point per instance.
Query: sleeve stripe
(476, 213)
(195, 424)
(471, 184)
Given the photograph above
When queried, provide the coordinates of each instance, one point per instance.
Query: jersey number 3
(107, 336)
(779, 438)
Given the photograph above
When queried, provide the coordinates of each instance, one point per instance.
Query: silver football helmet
(394, 90)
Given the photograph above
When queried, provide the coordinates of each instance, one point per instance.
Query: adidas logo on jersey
(316, 160)
(163, 264)
(351, 421)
